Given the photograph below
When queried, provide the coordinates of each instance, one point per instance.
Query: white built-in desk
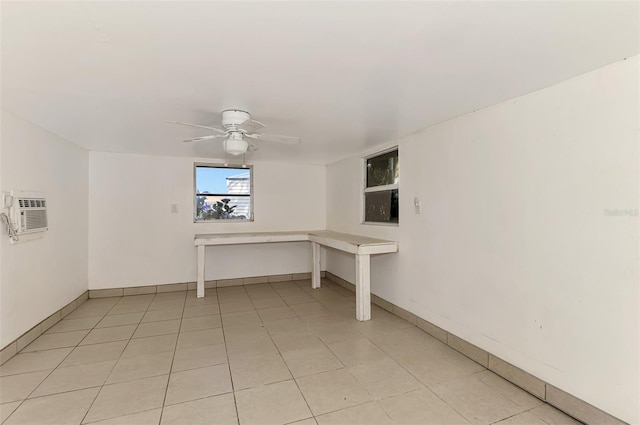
(362, 247)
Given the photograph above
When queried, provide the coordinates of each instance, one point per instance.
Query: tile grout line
(425, 386)
(119, 357)
(485, 368)
(337, 312)
(102, 317)
(77, 303)
(346, 368)
(226, 350)
(288, 369)
(49, 374)
(173, 357)
(55, 368)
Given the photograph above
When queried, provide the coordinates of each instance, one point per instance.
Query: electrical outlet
(417, 205)
(174, 208)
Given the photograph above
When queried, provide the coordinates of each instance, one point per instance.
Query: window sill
(375, 223)
(226, 220)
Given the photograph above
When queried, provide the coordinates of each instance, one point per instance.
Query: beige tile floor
(277, 353)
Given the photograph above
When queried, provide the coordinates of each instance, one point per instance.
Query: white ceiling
(345, 76)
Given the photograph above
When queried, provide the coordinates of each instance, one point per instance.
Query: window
(381, 188)
(223, 193)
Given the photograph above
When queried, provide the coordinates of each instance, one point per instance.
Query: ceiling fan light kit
(238, 125)
(234, 144)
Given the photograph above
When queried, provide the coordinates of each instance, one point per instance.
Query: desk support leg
(200, 283)
(363, 287)
(315, 266)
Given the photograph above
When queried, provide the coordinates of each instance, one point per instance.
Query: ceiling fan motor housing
(232, 118)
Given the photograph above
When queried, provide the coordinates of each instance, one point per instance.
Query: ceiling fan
(238, 131)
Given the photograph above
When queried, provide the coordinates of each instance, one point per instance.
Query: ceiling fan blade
(198, 139)
(252, 146)
(199, 126)
(251, 126)
(276, 138)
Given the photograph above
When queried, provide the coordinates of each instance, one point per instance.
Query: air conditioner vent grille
(31, 215)
(32, 203)
(35, 219)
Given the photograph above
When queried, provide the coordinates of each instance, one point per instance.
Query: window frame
(218, 165)
(381, 188)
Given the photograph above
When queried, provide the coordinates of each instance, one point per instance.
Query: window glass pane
(382, 169)
(381, 206)
(223, 193)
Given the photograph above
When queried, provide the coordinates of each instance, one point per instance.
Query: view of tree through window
(381, 189)
(222, 193)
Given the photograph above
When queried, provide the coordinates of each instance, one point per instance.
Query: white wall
(41, 276)
(513, 250)
(135, 240)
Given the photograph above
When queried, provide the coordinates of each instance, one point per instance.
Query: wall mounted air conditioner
(27, 213)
